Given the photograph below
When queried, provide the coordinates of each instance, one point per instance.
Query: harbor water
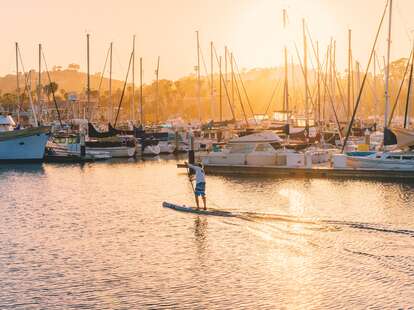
(95, 236)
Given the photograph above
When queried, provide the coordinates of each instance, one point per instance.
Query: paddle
(191, 181)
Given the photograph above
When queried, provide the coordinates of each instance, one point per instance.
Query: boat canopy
(7, 120)
(261, 137)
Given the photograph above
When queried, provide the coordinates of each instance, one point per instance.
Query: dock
(314, 172)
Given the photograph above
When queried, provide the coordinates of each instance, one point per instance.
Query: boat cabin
(7, 123)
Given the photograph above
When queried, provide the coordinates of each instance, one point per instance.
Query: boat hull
(115, 152)
(366, 162)
(24, 145)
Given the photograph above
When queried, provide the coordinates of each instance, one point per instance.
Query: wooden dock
(315, 172)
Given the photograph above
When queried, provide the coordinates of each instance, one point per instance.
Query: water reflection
(200, 233)
(30, 168)
(98, 232)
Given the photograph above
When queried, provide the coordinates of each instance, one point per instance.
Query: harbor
(178, 156)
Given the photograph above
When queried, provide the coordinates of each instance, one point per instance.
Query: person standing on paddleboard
(200, 189)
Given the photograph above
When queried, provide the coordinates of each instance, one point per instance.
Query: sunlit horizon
(252, 30)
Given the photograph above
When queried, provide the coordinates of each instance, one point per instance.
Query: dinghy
(187, 209)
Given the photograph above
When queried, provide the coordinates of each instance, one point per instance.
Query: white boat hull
(115, 152)
(379, 164)
(151, 150)
(166, 148)
(30, 147)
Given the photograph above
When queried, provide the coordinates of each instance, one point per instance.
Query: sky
(252, 30)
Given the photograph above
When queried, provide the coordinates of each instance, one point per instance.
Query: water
(96, 237)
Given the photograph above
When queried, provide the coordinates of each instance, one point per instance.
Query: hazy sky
(252, 29)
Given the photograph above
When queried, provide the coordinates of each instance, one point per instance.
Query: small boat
(184, 208)
(21, 144)
(383, 161)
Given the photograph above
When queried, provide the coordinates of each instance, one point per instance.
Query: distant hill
(68, 80)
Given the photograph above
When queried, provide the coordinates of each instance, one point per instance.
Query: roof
(7, 120)
(265, 136)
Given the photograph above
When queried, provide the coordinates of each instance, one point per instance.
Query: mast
(225, 65)
(39, 76)
(409, 93)
(88, 87)
(305, 68)
(232, 79)
(220, 93)
(212, 80)
(358, 68)
(349, 74)
(140, 92)
(318, 78)
(375, 90)
(133, 80)
(286, 86)
(17, 82)
(198, 78)
(387, 72)
(111, 108)
(157, 92)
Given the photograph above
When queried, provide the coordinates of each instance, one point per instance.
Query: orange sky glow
(252, 29)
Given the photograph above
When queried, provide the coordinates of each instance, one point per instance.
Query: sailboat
(17, 143)
(21, 144)
(385, 160)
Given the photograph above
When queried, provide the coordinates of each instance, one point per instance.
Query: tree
(50, 88)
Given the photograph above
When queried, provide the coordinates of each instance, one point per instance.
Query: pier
(315, 172)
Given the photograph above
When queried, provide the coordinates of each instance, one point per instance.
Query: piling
(82, 144)
(191, 157)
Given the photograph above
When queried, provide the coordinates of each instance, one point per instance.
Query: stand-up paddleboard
(213, 212)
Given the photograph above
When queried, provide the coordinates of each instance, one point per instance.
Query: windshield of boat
(264, 147)
(242, 148)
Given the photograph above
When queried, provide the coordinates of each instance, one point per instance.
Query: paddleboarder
(200, 189)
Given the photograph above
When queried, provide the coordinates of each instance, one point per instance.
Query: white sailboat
(387, 160)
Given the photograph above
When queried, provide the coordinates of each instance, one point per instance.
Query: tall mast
(305, 68)
(157, 92)
(387, 71)
(358, 68)
(286, 86)
(17, 82)
(212, 79)
(133, 80)
(232, 79)
(111, 108)
(88, 87)
(409, 92)
(334, 72)
(318, 83)
(220, 93)
(349, 74)
(375, 89)
(294, 96)
(198, 78)
(39, 76)
(140, 92)
(225, 65)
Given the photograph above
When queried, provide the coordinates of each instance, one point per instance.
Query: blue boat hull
(22, 148)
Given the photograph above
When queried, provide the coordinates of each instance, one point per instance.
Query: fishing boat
(21, 144)
(67, 147)
(112, 141)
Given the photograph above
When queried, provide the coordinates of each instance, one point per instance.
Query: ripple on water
(96, 237)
